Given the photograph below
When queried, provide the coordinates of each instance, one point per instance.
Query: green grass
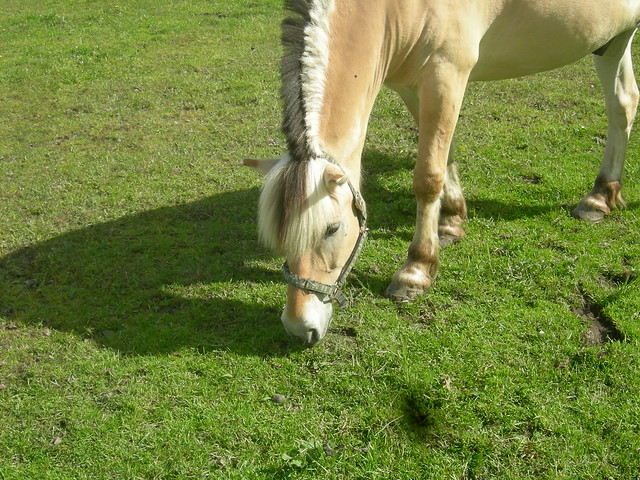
(139, 329)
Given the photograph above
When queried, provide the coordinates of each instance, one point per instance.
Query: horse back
(505, 38)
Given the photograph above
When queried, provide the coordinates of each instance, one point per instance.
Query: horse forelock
(295, 208)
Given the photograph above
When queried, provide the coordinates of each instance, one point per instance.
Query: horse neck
(354, 76)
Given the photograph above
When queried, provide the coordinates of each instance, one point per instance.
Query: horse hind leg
(453, 208)
(615, 70)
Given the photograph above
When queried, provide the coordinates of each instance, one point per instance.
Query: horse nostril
(314, 336)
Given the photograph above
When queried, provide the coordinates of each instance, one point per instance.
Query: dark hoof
(447, 239)
(450, 232)
(588, 214)
(402, 296)
(402, 293)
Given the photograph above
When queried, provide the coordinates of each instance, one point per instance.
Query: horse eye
(332, 229)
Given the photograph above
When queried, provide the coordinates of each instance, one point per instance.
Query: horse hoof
(447, 239)
(588, 214)
(399, 293)
(407, 283)
(450, 232)
(403, 295)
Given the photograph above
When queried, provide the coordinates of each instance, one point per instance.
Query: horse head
(310, 213)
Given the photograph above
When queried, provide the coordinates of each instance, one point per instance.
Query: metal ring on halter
(334, 292)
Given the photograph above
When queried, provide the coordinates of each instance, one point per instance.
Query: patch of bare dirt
(601, 329)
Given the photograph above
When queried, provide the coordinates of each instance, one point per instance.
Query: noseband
(334, 292)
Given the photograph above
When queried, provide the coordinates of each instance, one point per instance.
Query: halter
(334, 292)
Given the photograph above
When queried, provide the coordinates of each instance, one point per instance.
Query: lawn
(139, 316)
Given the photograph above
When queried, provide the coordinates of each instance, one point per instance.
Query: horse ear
(263, 165)
(333, 177)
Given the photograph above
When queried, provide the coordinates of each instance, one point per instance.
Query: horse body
(338, 56)
(530, 37)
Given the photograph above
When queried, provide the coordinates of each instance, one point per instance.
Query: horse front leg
(440, 97)
(453, 208)
(621, 98)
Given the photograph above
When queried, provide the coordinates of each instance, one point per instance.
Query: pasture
(139, 316)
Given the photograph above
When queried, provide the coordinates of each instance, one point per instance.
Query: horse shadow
(156, 282)
(187, 276)
(392, 206)
(388, 191)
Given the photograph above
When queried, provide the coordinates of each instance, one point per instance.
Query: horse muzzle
(309, 320)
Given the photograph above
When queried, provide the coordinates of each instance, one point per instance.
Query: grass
(139, 331)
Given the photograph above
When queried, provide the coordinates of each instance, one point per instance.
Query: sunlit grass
(139, 316)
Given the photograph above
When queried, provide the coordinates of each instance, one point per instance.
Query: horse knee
(428, 187)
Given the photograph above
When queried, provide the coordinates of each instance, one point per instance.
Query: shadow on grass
(500, 210)
(388, 191)
(391, 208)
(186, 275)
(154, 282)
(394, 208)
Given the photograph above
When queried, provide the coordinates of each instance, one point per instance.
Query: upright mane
(305, 41)
(291, 215)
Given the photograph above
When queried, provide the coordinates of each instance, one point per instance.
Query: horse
(337, 56)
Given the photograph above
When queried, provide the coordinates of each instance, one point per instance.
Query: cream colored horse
(338, 54)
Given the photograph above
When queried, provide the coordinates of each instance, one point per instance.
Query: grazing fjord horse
(339, 53)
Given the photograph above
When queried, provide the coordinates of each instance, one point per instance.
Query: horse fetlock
(599, 202)
(613, 192)
(408, 283)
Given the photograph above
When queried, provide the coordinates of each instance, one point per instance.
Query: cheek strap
(334, 292)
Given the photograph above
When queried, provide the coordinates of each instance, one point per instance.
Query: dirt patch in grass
(601, 329)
